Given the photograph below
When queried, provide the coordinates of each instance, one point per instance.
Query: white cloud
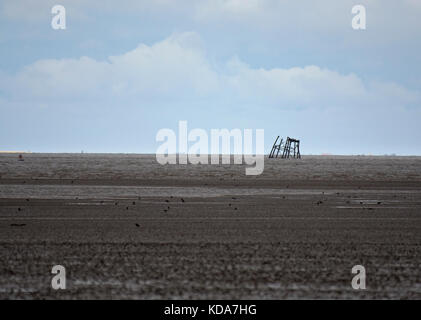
(175, 66)
(299, 85)
(179, 69)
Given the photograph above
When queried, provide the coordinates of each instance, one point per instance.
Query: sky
(123, 70)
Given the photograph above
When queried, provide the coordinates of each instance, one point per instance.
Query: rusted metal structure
(276, 148)
(289, 149)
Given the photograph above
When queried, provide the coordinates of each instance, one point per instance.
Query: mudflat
(126, 227)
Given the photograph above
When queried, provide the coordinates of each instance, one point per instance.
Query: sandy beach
(126, 227)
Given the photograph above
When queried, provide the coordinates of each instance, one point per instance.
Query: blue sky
(124, 69)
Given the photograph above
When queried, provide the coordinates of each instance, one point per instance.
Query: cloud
(178, 69)
(304, 86)
(176, 66)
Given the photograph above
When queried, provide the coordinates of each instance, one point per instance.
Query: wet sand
(126, 227)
